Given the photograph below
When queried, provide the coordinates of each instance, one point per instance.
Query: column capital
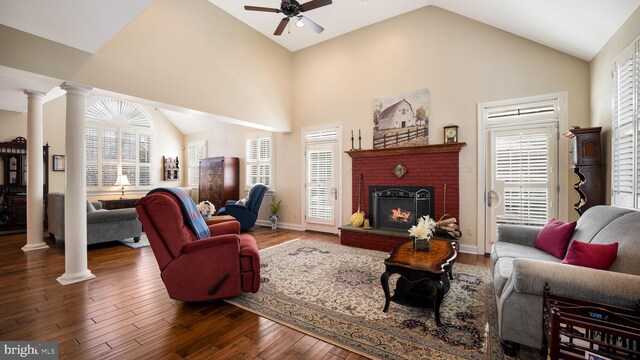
(73, 88)
(34, 94)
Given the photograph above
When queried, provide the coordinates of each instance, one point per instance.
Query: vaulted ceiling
(576, 27)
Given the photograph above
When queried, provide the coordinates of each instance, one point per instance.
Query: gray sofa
(520, 271)
(102, 225)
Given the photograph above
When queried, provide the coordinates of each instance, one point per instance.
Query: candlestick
(359, 140)
(352, 140)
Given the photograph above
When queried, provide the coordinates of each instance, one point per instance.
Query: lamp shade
(122, 180)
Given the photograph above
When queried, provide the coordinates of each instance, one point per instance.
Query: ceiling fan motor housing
(291, 8)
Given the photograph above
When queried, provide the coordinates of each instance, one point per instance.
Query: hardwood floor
(125, 312)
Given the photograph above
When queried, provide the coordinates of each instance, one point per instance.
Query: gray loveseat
(520, 271)
(102, 225)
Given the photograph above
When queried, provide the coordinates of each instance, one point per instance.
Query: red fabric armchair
(223, 265)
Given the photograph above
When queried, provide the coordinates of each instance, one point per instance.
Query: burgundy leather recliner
(223, 265)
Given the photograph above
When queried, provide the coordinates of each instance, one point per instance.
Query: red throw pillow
(554, 237)
(596, 256)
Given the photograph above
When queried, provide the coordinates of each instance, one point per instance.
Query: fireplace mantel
(409, 150)
(436, 166)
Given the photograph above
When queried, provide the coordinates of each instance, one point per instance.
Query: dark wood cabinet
(13, 183)
(586, 159)
(219, 180)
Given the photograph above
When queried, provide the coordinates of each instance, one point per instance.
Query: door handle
(335, 193)
(490, 195)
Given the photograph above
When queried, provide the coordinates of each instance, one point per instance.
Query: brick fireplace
(435, 166)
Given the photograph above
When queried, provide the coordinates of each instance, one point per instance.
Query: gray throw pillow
(90, 207)
(242, 202)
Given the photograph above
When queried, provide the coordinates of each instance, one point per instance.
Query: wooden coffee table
(424, 275)
(219, 219)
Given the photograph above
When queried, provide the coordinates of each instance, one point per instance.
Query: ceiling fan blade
(314, 4)
(281, 26)
(312, 24)
(260, 8)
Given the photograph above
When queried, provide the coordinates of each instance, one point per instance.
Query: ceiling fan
(291, 8)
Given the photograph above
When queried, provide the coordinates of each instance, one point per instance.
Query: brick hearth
(429, 165)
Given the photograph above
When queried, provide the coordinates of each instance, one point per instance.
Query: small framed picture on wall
(58, 162)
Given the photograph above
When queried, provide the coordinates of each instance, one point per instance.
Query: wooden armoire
(219, 180)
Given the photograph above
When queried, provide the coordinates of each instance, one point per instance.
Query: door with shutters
(522, 182)
(519, 163)
(321, 189)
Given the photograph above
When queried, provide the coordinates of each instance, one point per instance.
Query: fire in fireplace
(399, 208)
(400, 216)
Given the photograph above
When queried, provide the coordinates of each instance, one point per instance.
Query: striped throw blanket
(190, 212)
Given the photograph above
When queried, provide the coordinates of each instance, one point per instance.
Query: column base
(67, 279)
(36, 246)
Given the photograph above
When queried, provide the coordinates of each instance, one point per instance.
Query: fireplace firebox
(399, 207)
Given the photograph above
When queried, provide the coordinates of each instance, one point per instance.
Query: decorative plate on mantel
(400, 170)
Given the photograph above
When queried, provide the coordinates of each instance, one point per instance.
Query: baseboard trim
(281, 225)
(468, 249)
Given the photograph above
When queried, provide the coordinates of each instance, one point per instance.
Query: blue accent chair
(248, 213)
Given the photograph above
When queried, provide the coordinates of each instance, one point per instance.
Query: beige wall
(14, 124)
(601, 86)
(168, 142)
(186, 53)
(190, 54)
(228, 140)
(461, 61)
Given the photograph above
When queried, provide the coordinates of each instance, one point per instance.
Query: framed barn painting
(401, 120)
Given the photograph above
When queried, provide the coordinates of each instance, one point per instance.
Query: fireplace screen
(399, 208)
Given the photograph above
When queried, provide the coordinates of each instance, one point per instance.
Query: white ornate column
(35, 174)
(75, 198)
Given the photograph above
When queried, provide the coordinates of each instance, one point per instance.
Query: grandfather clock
(586, 160)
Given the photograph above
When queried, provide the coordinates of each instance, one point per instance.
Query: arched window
(118, 140)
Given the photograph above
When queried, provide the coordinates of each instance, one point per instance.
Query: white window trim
(118, 117)
(483, 110)
(104, 189)
(634, 47)
(303, 168)
(271, 162)
(195, 167)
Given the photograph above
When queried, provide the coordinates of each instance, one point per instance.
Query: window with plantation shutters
(625, 179)
(196, 151)
(320, 171)
(523, 167)
(91, 153)
(259, 160)
(118, 140)
(321, 199)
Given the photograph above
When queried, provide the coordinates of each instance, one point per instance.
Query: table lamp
(122, 181)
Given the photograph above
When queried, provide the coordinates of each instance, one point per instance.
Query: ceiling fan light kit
(291, 9)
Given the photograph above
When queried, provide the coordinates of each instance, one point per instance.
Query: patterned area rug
(333, 292)
(144, 242)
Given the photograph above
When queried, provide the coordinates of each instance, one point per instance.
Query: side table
(219, 219)
(421, 272)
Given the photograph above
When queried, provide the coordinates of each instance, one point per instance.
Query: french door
(321, 188)
(522, 179)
